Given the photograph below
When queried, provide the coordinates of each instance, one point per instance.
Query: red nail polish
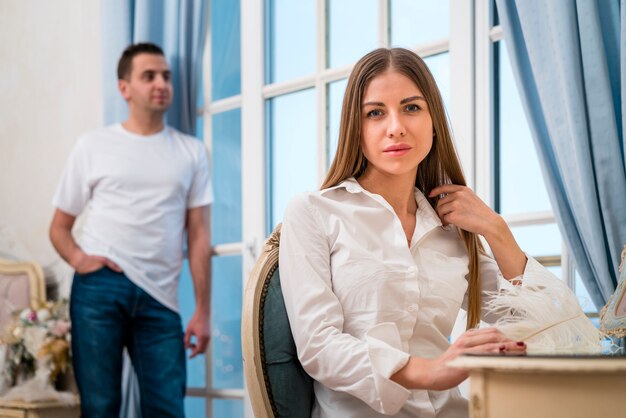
(521, 343)
(502, 348)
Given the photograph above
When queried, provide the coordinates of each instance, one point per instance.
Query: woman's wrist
(496, 231)
(507, 253)
(417, 373)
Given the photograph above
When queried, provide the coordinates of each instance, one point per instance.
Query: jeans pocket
(94, 272)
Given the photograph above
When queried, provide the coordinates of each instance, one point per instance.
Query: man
(144, 184)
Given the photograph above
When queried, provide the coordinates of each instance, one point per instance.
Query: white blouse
(360, 301)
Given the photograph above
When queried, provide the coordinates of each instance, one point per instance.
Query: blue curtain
(569, 61)
(179, 28)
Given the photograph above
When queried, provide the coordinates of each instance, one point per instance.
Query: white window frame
(470, 48)
(485, 37)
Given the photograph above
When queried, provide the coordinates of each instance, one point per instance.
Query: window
(293, 149)
(520, 194)
(310, 48)
(215, 381)
(271, 120)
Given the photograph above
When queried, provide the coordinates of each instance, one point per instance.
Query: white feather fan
(544, 313)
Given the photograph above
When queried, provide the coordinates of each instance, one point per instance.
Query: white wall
(50, 92)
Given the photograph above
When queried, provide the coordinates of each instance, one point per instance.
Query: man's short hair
(125, 64)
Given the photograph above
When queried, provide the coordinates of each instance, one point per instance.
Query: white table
(552, 387)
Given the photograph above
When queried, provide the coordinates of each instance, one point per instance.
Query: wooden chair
(277, 384)
(22, 285)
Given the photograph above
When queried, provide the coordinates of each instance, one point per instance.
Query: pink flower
(28, 315)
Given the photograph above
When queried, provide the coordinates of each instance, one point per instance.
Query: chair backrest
(22, 285)
(277, 384)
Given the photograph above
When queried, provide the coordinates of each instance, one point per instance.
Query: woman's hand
(479, 341)
(461, 207)
(434, 374)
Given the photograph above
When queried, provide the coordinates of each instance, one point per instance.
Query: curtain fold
(179, 28)
(568, 61)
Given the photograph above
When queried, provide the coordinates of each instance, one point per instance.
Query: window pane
(226, 175)
(439, 65)
(352, 30)
(581, 292)
(418, 21)
(336, 91)
(557, 271)
(226, 322)
(225, 49)
(293, 150)
(290, 46)
(227, 408)
(196, 367)
(522, 188)
(538, 240)
(195, 407)
(200, 127)
(583, 296)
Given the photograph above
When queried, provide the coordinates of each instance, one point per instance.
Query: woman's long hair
(441, 165)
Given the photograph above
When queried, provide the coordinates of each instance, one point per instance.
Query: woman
(376, 266)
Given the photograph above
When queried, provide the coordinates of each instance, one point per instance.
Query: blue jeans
(108, 313)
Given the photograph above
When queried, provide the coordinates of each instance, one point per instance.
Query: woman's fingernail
(521, 343)
(502, 348)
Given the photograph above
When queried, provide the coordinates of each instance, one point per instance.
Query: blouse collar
(426, 216)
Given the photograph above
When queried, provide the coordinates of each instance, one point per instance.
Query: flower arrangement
(37, 345)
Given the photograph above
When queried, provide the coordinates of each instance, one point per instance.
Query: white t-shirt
(360, 301)
(138, 189)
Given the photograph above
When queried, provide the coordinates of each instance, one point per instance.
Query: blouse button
(413, 308)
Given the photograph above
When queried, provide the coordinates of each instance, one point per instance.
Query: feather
(544, 313)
